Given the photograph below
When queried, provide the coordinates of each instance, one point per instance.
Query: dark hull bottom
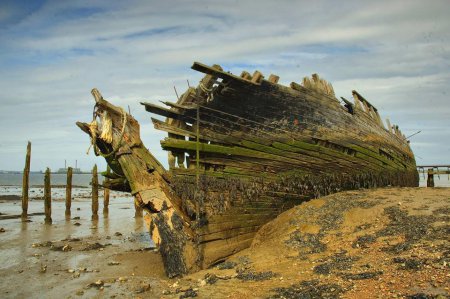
(233, 210)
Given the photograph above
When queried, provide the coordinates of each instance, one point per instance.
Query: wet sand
(60, 260)
(384, 243)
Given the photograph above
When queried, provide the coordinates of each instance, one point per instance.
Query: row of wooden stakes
(47, 192)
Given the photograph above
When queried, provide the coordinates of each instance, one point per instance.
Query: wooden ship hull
(242, 149)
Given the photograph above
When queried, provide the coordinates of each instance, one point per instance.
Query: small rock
(76, 218)
(110, 280)
(122, 279)
(43, 269)
(77, 224)
(76, 275)
(94, 246)
(190, 293)
(70, 270)
(113, 263)
(78, 209)
(117, 234)
(66, 248)
(98, 284)
(143, 288)
(80, 293)
(2, 230)
(210, 278)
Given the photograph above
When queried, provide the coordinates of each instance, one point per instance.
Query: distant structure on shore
(74, 170)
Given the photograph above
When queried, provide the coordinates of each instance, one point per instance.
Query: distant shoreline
(53, 186)
(42, 172)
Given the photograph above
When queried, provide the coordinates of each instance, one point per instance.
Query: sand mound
(384, 243)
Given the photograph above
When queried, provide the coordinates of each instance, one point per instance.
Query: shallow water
(15, 244)
(37, 179)
(21, 260)
(442, 180)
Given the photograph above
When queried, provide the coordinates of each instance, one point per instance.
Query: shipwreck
(241, 150)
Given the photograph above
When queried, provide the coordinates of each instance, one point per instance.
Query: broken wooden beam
(153, 108)
(273, 79)
(220, 74)
(257, 77)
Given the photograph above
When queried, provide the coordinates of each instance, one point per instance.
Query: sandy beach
(383, 243)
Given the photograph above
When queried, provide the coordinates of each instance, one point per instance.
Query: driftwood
(243, 149)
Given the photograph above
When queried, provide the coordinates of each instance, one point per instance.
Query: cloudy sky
(52, 53)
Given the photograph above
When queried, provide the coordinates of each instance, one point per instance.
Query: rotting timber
(242, 149)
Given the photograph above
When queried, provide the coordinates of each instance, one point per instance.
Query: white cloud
(395, 53)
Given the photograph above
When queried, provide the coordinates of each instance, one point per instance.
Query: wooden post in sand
(94, 192)
(430, 178)
(26, 181)
(69, 191)
(106, 192)
(47, 197)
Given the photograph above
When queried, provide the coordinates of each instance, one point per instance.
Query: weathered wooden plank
(217, 227)
(227, 139)
(273, 79)
(229, 233)
(170, 143)
(219, 250)
(153, 108)
(220, 74)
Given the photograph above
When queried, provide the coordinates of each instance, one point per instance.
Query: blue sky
(52, 53)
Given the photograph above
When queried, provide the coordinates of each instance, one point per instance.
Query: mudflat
(382, 243)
